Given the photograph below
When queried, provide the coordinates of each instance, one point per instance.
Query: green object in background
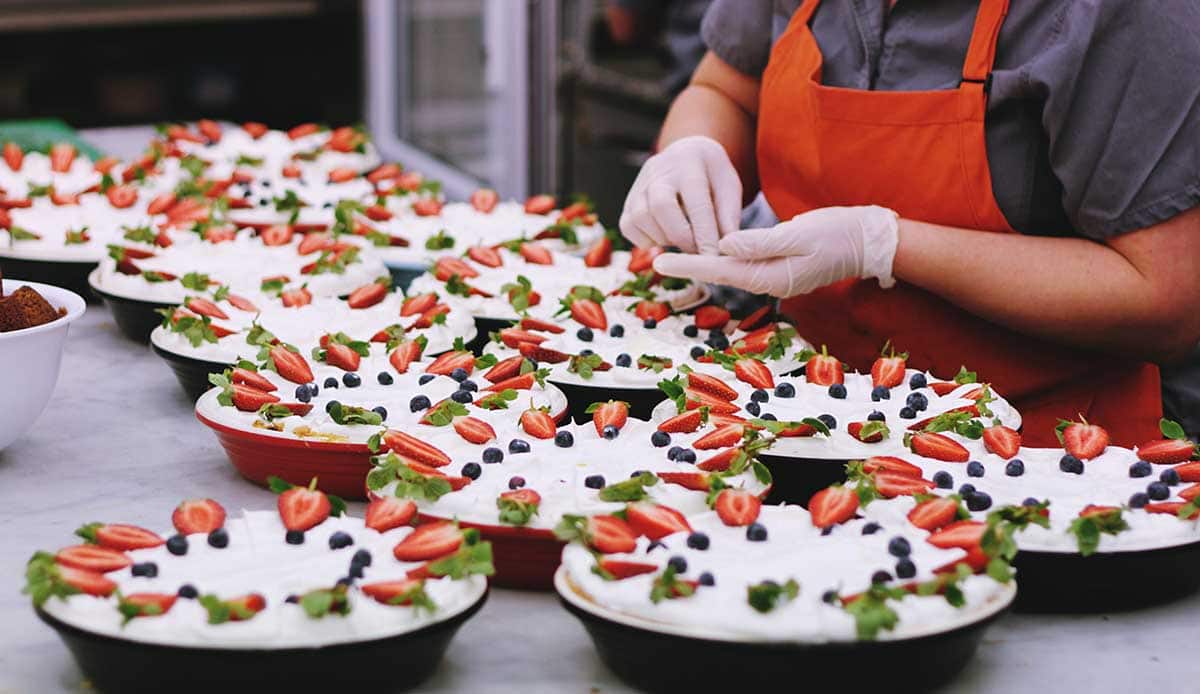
(39, 134)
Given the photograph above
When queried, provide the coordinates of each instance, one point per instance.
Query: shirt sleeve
(739, 32)
(1122, 112)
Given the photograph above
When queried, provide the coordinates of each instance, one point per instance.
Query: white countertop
(119, 442)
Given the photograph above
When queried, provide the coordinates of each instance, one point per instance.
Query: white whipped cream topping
(104, 223)
(276, 149)
(35, 171)
(843, 561)
(257, 560)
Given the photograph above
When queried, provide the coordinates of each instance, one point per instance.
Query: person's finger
(774, 242)
(672, 227)
(698, 204)
(700, 268)
(726, 192)
(633, 232)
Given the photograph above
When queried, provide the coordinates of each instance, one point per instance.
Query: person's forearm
(1068, 290)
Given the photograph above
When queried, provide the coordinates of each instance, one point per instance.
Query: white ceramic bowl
(30, 360)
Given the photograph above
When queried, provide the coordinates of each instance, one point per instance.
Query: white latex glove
(688, 196)
(812, 250)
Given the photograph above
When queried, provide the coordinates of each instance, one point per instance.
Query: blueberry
(828, 420)
(1140, 469)
(356, 571)
(899, 547)
(753, 408)
(785, 390)
(516, 482)
(471, 471)
(687, 455)
(943, 480)
(148, 569)
(690, 331)
(698, 541)
(425, 378)
(1030, 501)
(1169, 477)
(361, 558)
(302, 394)
(837, 391)
(697, 352)
(345, 581)
(715, 332)
(329, 405)
(313, 389)
(385, 378)
(1015, 468)
(975, 469)
(650, 324)
(585, 334)
(917, 401)
(827, 530)
(660, 438)
(351, 380)
(419, 403)
(219, 538)
(187, 591)
(617, 331)
(624, 360)
(564, 439)
(678, 563)
(459, 374)
(706, 579)
(769, 417)
(586, 352)
(381, 411)
(756, 532)
(655, 545)
(339, 540)
(717, 342)
(979, 501)
(1158, 491)
(917, 381)
(462, 396)
(294, 537)
(673, 452)
(966, 490)
(638, 473)
(760, 395)
(871, 528)
(880, 393)
(905, 568)
(829, 597)
(292, 599)
(1139, 500)
(1069, 463)
(331, 382)
(517, 446)
(177, 545)
(907, 412)
(881, 577)
(876, 416)
(594, 481)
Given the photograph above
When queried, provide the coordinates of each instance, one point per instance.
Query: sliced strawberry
(889, 463)
(180, 132)
(394, 592)
(484, 200)
(934, 513)
(418, 304)
(1188, 472)
(404, 354)
(753, 320)
(449, 266)
(536, 253)
(1171, 508)
(342, 356)
(485, 255)
(121, 196)
(655, 521)
(610, 535)
(891, 484)
(126, 537)
(427, 207)
(1167, 451)
(620, 569)
(824, 370)
(245, 607)
(377, 213)
(410, 446)
(753, 372)
(647, 310)
(446, 363)
(709, 317)
(889, 370)
(198, 516)
(13, 156)
(220, 234)
(92, 558)
(367, 295)
(963, 534)
(695, 399)
(248, 399)
(542, 354)
(539, 204)
(277, 235)
(384, 172)
(832, 505)
(87, 582)
(62, 199)
(600, 254)
(513, 337)
(1002, 441)
(531, 323)
(737, 507)
(538, 424)
(685, 422)
(410, 181)
(697, 481)
(474, 430)
(210, 129)
(429, 541)
(1082, 440)
(938, 447)
(611, 413)
(205, 307)
(721, 437)
(303, 508)
(525, 381)
(252, 379)
(719, 462)
(711, 385)
(532, 297)
(303, 130)
(426, 319)
(241, 303)
(504, 369)
(589, 313)
(387, 512)
(298, 408)
(342, 174)
(295, 298)
(642, 259)
(943, 388)
(62, 155)
(313, 242)
(291, 365)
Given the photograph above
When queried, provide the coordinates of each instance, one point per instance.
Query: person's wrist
(881, 235)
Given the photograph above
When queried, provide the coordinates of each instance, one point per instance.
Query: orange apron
(923, 154)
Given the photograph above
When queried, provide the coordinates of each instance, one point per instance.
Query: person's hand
(812, 250)
(687, 196)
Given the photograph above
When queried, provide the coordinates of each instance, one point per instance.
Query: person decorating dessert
(1008, 187)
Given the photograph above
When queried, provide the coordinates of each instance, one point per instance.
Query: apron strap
(982, 52)
(805, 13)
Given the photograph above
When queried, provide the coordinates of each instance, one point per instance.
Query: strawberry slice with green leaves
(136, 605)
(342, 356)
(538, 423)
(619, 569)
(584, 305)
(518, 506)
(369, 294)
(721, 437)
(937, 512)
(1002, 441)
(832, 506)
(457, 358)
(696, 481)
(386, 513)
(304, 508)
(890, 368)
(737, 507)
(513, 337)
(243, 397)
(44, 579)
(449, 266)
(963, 534)
(198, 516)
(119, 536)
(642, 259)
(429, 541)
(406, 353)
(536, 253)
(415, 305)
(248, 377)
(709, 317)
(408, 592)
(205, 307)
(711, 385)
(1174, 447)
(473, 429)
(600, 254)
(647, 309)
(889, 463)
(506, 369)
(1188, 472)
(655, 521)
(93, 558)
(890, 485)
(237, 609)
(612, 413)
(531, 323)
(824, 369)
(605, 534)
(413, 448)
(289, 364)
(1081, 439)
(753, 372)
(868, 432)
(525, 381)
(685, 422)
(937, 446)
(485, 255)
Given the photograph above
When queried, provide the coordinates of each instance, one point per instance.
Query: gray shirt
(1093, 120)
